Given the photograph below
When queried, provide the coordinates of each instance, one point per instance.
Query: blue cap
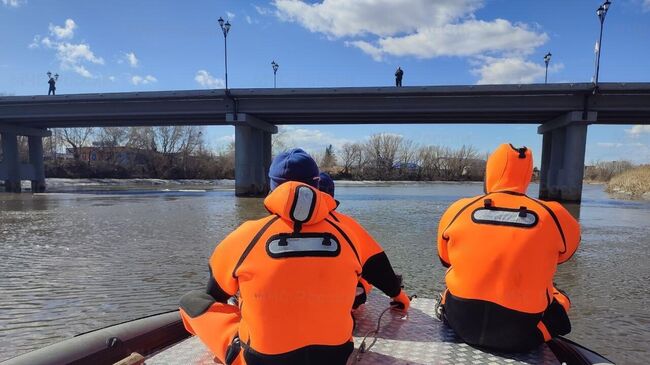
(293, 165)
(326, 184)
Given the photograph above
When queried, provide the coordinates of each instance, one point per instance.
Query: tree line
(180, 152)
(168, 152)
(386, 156)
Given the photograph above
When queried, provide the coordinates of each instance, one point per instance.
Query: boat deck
(418, 338)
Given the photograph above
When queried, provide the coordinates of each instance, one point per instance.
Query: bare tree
(75, 138)
(350, 152)
(459, 162)
(381, 150)
(279, 141)
(52, 144)
(113, 136)
(329, 158)
(430, 158)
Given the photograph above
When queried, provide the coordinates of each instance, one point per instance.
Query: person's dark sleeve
(378, 272)
(215, 290)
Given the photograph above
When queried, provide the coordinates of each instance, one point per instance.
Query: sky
(147, 45)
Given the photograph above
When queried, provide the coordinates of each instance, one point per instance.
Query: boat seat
(418, 338)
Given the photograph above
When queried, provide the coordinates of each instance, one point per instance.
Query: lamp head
(49, 74)
(220, 22)
(226, 27)
(606, 5)
(547, 57)
(56, 76)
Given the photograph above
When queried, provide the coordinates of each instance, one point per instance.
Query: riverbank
(71, 185)
(632, 184)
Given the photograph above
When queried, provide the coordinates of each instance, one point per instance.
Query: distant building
(120, 155)
(406, 166)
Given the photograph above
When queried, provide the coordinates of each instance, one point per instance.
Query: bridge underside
(563, 110)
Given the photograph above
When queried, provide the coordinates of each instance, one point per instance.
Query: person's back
(296, 271)
(503, 249)
(275, 261)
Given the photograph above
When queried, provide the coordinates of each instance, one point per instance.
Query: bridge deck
(616, 103)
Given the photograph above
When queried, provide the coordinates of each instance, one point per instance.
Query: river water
(76, 261)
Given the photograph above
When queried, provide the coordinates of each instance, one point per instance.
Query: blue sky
(163, 45)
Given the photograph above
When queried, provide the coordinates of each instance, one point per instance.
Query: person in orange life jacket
(295, 271)
(502, 249)
(326, 185)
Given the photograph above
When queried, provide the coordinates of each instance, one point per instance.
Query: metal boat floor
(418, 338)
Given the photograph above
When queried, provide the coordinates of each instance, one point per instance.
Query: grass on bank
(634, 182)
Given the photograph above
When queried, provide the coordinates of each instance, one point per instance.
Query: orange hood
(509, 169)
(298, 202)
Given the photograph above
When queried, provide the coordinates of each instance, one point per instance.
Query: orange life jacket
(296, 271)
(503, 247)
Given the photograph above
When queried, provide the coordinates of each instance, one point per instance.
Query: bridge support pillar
(10, 165)
(563, 156)
(36, 160)
(252, 154)
(12, 171)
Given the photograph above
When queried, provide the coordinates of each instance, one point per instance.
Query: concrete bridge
(563, 112)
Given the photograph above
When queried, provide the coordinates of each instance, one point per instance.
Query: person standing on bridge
(292, 275)
(398, 77)
(52, 82)
(502, 249)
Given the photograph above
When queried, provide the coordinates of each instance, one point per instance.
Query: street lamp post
(275, 70)
(601, 12)
(225, 28)
(547, 59)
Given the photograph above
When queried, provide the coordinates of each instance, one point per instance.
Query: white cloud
(609, 144)
(376, 53)
(131, 59)
(645, 4)
(471, 38)
(74, 56)
(226, 139)
(511, 70)
(206, 80)
(36, 42)
(249, 20)
(339, 18)
(71, 56)
(47, 42)
(262, 10)
(111, 78)
(65, 32)
(230, 15)
(420, 28)
(13, 3)
(143, 80)
(638, 130)
(313, 140)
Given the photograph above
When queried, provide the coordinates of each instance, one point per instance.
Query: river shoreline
(63, 185)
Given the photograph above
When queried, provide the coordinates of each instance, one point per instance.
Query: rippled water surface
(75, 262)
